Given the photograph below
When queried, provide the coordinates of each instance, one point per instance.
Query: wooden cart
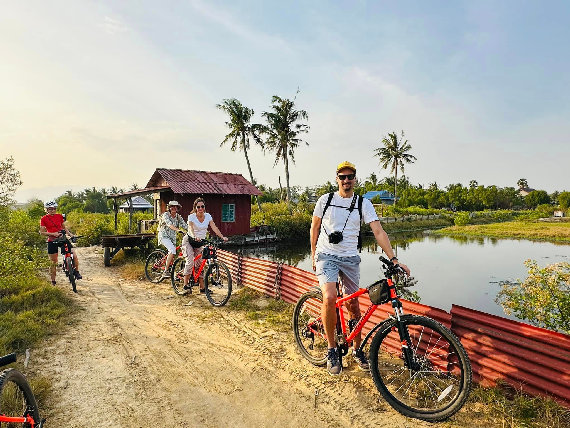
(112, 244)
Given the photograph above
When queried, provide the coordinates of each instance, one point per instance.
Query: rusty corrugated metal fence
(532, 359)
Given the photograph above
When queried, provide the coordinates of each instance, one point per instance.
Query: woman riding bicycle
(192, 245)
(51, 226)
(170, 223)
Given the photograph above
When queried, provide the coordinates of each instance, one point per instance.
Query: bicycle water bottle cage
(379, 293)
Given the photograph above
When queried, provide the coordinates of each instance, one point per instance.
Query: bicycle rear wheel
(177, 277)
(71, 273)
(218, 284)
(17, 399)
(308, 328)
(154, 266)
(437, 382)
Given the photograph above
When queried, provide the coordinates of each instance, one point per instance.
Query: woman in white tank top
(198, 222)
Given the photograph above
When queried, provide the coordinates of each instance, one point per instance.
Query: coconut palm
(240, 130)
(283, 132)
(522, 183)
(394, 153)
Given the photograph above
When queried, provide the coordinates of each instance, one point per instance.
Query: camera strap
(350, 209)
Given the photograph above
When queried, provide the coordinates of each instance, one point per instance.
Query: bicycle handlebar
(8, 359)
(64, 237)
(392, 270)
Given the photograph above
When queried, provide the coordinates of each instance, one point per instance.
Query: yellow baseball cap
(345, 164)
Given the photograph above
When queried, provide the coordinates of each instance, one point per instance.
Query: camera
(335, 237)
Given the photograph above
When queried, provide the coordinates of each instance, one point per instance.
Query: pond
(462, 271)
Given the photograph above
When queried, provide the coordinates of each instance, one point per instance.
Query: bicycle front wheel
(71, 273)
(17, 399)
(309, 329)
(154, 267)
(177, 277)
(218, 284)
(433, 381)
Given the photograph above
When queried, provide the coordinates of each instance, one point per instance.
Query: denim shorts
(329, 266)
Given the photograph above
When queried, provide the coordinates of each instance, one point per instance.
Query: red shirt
(52, 223)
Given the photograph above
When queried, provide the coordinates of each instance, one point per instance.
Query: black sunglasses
(341, 177)
(200, 206)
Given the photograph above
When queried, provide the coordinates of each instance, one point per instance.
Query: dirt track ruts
(137, 355)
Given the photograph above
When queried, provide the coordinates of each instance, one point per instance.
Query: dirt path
(137, 355)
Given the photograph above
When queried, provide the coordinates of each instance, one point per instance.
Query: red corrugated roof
(201, 182)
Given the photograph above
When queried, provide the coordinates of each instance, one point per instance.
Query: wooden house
(227, 196)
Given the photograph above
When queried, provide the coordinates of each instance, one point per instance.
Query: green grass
(262, 309)
(503, 406)
(533, 230)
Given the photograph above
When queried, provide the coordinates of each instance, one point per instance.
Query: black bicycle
(18, 405)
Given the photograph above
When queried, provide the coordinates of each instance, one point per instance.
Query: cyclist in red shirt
(51, 226)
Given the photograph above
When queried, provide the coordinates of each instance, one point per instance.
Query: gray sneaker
(361, 360)
(333, 362)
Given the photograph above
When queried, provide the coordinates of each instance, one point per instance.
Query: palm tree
(394, 153)
(283, 132)
(522, 183)
(240, 130)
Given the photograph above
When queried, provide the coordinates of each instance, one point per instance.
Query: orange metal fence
(529, 358)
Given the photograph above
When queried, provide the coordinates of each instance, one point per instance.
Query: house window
(228, 213)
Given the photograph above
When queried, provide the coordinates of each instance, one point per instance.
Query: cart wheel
(107, 257)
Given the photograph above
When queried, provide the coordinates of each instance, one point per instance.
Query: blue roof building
(386, 197)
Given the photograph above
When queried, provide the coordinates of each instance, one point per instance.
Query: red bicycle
(18, 405)
(68, 263)
(155, 262)
(217, 281)
(418, 365)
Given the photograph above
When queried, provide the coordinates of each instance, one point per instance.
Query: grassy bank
(532, 230)
(31, 308)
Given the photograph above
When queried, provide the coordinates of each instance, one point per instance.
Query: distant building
(139, 205)
(523, 191)
(386, 197)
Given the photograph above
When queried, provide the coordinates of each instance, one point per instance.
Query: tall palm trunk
(286, 159)
(249, 168)
(395, 181)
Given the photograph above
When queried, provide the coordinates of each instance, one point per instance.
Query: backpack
(328, 203)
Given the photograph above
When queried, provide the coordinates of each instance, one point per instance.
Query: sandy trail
(137, 355)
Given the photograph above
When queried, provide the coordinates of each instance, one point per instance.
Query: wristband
(393, 258)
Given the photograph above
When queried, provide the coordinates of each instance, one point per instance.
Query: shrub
(462, 219)
(543, 298)
(545, 210)
(290, 221)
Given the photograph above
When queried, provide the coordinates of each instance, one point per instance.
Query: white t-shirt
(337, 213)
(200, 228)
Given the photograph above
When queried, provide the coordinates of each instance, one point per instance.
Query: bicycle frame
(66, 253)
(348, 337)
(160, 264)
(19, 420)
(196, 273)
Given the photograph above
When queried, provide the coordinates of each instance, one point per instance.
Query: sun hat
(345, 164)
(174, 204)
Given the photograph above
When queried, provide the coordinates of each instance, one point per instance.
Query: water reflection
(449, 270)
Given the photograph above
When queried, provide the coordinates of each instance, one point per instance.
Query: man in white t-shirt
(334, 250)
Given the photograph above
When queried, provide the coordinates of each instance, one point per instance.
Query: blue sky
(102, 93)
